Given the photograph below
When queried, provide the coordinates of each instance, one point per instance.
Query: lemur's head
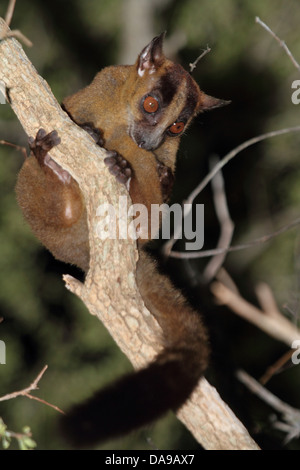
(162, 98)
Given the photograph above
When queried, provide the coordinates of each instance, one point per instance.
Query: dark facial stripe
(169, 84)
(168, 88)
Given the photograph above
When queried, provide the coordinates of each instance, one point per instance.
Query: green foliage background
(44, 324)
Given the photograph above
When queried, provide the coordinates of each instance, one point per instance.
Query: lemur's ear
(151, 56)
(207, 102)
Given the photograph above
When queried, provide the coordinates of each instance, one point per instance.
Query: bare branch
(290, 415)
(32, 386)
(40, 400)
(251, 244)
(224, 277)
(234, 153)
(170, 243)
(280, 42)
(16, 33)
(227, 226)
(276, 367)
(17, 147)
(194, 64)
(265, 395)
(10, 12)
(267, 300)
(275, 325)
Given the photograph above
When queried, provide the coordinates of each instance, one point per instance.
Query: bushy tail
(143, 396)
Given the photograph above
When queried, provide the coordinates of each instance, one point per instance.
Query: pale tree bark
(109, 291)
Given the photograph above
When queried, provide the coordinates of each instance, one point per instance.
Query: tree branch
(290, 415)
(226, 223)
(271, 321)
(30, 388)
(10, 11)
(167, 247)
(109, 291)
(25, 391)
(230, 249)
(203, 53)
(7, 33)
(280, 42)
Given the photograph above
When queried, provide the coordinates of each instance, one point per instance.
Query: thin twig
(276, 367)
(280, 42)
(265, 394)
(26, 392)
(16, 33)
(233, 153)
(251, 244)
(32, 386)
(290, 415)
(10, 12)
(266, 299)
(276, 325)
(167, 247)
(17, 147)
(224, 277)
(32, 397)
(226, 224)
(194, 64)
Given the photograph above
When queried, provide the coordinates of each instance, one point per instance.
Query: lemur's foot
(118, 166)
(166, 179)
(40, 147)
(43, 143)
(93, 132)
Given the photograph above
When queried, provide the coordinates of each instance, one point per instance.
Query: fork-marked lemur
(138, 114)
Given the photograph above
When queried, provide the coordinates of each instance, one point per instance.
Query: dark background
(45, 324)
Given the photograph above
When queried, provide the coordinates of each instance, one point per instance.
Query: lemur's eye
(176, 128)
(150, 104)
